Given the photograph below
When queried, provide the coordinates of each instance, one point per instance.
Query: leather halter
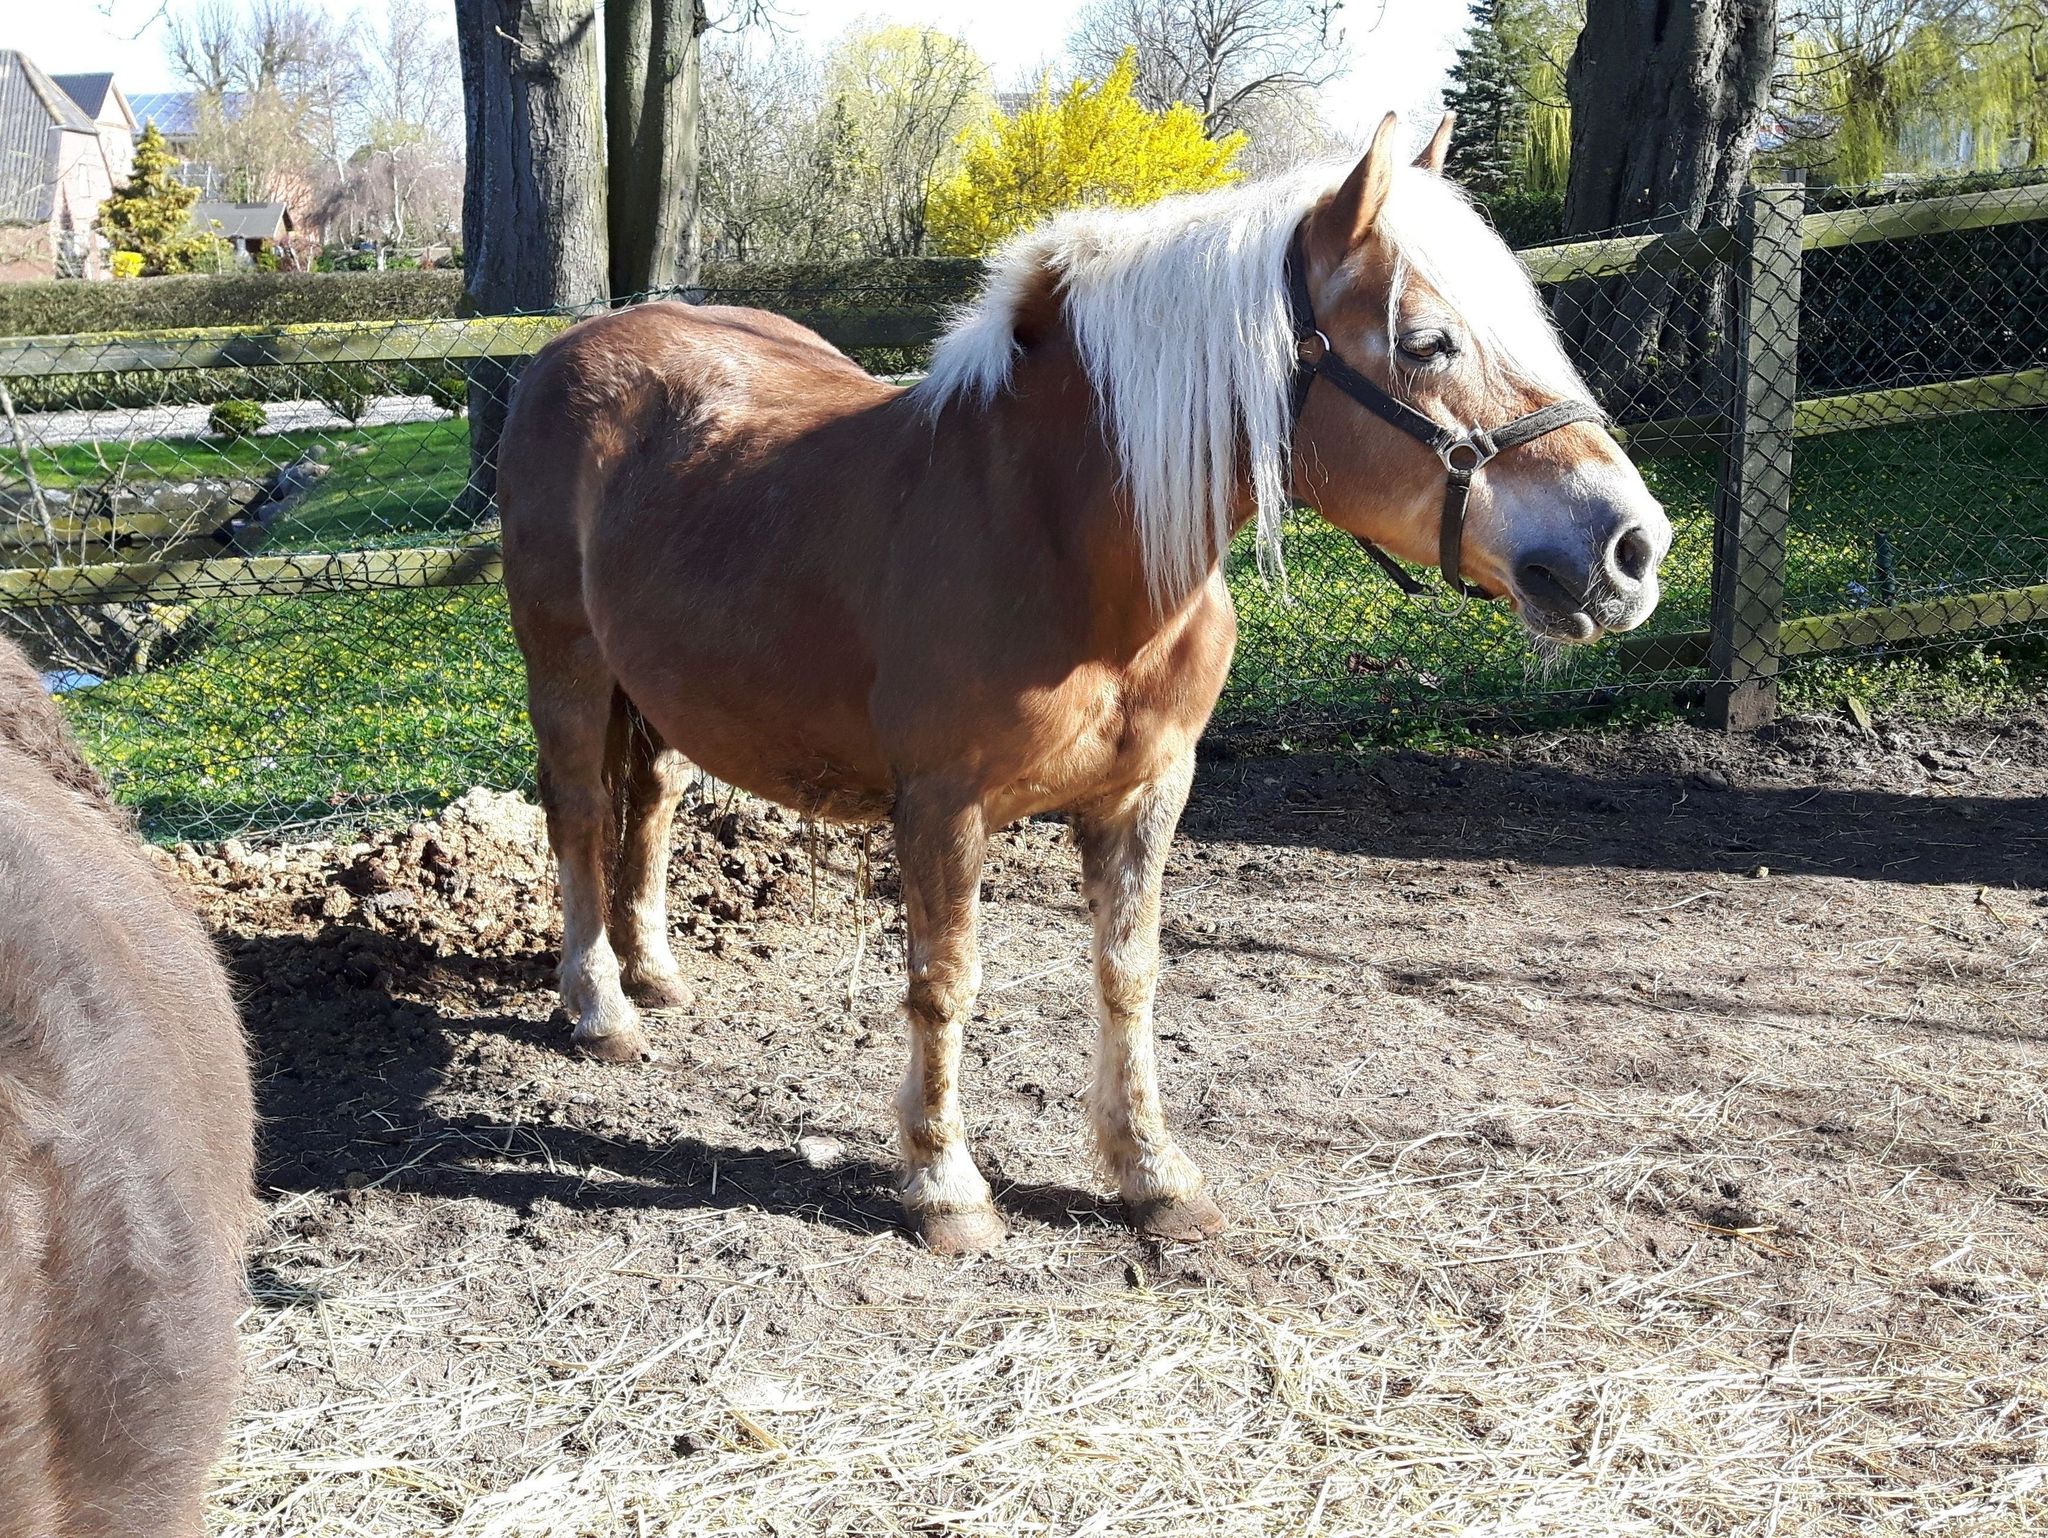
(1464, 451)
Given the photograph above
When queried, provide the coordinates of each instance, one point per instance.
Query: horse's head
(1419, 304)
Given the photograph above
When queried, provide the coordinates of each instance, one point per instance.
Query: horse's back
(643, 414)
(125, 1159)
(669, 376)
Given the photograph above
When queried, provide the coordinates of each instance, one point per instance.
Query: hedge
(807, 291)
(285, 298)
(236, 299)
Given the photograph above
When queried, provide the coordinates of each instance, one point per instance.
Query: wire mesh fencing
(260, 562)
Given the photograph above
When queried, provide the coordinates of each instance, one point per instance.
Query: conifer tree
(151, 215)
(1486, 149)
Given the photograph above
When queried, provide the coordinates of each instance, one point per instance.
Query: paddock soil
(1637, 1133)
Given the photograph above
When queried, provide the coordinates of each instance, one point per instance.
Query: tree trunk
(652, 101)
(1666, 100)
(533, 206)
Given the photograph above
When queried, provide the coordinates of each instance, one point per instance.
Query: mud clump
(478, 882)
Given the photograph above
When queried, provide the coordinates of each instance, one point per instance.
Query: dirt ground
(1628, 1133)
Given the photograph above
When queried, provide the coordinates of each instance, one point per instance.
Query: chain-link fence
(258, 565)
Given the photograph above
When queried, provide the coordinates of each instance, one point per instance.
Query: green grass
(385, 485)
(302, 709)
(381, 705)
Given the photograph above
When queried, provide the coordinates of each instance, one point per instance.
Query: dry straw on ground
(1448, 1376)
(1650, 1199)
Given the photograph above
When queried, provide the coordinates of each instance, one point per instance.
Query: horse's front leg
(940, 837)
(1123, 859)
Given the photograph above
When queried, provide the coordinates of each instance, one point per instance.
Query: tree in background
(1871, 86)
(545, 146)
(151, 215)
(1666, 104)
(533, 200)
(1237, 63)
(897, 101)
(2016, 57)
(1097, 143)
(653, 104)
(770, 188)
(402, 183)
(280, 84)
(355, 122)
(1489, 149)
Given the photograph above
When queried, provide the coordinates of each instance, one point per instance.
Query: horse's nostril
(1548, 587)
(1632, 554)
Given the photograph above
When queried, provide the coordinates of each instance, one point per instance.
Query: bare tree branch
(1224, 58)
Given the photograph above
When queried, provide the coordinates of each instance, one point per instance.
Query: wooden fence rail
(1742, 649)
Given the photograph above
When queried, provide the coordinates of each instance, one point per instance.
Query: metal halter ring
(1311, 348)
(1478, 443)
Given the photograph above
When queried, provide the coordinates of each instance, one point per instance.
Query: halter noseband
(1464, 452)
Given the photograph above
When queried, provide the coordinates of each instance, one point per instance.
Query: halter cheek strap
(1464, 451)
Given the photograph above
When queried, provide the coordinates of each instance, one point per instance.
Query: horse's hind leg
(577, 716)
(939, 843)
(657, 776)
(1123, 859)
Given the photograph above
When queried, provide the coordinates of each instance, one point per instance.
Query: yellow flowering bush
(1095, 143)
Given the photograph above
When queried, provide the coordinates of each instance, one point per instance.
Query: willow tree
(2016, 60)
(1872, 86)
(1539, 36)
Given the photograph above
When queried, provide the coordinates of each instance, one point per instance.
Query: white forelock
(1179, 313)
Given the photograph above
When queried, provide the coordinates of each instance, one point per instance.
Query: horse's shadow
(356, 1105)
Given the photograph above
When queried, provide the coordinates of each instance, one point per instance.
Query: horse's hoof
(626, 1045)
(954, 1234)
(659, 990)
(1189, 1219)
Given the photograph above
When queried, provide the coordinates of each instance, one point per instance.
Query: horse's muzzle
(1579, 589)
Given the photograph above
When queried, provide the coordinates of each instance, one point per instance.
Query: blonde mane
(1179, 313)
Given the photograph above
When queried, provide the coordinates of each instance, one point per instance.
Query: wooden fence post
(1753, 502)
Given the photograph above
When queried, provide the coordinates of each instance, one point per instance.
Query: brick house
(111, 113)
(60, 159)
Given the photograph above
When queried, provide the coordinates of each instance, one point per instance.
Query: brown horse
(998, 593)
(125, 1159)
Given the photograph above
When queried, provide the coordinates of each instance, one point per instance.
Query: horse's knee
(1127, 990)
(939, 995)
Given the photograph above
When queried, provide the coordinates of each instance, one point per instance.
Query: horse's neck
(1052, 413)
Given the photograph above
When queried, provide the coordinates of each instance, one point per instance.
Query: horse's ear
(1036, 310)
(1432, 157)
(1351, 213)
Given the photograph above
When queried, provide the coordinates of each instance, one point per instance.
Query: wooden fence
(1749, 634)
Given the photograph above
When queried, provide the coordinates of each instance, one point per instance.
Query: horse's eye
(1424, 345)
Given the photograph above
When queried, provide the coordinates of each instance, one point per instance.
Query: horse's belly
(775, 729)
